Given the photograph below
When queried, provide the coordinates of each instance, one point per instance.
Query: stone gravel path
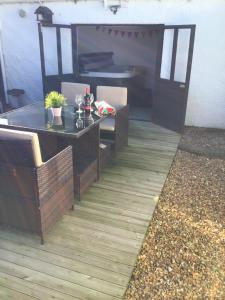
(183, 256)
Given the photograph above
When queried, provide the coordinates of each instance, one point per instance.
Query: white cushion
(114, 95)
(108, 124)
(9, 134)
(71, 89)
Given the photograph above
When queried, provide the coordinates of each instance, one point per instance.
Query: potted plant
(55, 101)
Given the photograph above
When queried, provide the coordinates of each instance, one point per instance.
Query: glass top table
(36, 117)
(81, 131)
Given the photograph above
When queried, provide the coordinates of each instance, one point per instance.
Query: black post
(75, 51)
(59, 50)
(2, 91)
(42, 57)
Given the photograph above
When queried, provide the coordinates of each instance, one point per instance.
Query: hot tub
(113, 71)
(100, 69)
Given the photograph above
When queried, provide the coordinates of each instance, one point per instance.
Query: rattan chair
(33, 194)
(115, 128)
(71, 89)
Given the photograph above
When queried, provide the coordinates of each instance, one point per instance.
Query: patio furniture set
(47, 162)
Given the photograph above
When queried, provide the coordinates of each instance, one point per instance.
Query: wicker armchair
(33, 194)
(115, 128)
(71, 89)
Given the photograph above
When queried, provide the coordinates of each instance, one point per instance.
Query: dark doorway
(128, 58)
(124, 54)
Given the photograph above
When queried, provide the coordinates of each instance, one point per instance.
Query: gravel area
(204, 141)
(183, 255)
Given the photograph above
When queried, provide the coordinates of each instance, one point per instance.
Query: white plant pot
(57, 112)
(57, 121)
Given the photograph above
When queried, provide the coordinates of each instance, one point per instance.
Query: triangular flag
(129, 34)
(136, 34)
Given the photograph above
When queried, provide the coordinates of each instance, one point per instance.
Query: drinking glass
(91, 100)
(90, 120)
(79, 122)
(79, 101)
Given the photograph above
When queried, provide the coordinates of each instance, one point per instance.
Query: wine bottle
(87, 100)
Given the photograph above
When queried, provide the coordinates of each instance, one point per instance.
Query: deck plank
(30, 289)
(9, 293)
(91, 252)
(79, 280)
(68, 263)
(76, 254)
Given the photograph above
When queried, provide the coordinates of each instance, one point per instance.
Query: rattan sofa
(33, 194)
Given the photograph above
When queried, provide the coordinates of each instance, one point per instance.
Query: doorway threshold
(140, 114)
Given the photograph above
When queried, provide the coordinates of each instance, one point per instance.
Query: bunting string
(128, 34)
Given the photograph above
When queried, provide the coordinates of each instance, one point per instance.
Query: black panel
(170, 96)
(53, 82)
(2, 89)
(169, 106)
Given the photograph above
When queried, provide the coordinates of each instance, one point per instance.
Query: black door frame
(60, 75)
(74, 35)
(190, 56)
(2, 87)
(171, 82)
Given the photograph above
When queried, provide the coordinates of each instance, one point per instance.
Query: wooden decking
(91, 252)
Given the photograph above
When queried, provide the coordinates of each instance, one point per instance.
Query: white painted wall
(206, 103)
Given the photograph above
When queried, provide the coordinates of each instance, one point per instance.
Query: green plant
(55, 100)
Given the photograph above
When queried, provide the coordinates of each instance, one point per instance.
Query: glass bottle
(87, 100)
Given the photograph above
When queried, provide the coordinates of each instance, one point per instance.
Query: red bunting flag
(129, 34)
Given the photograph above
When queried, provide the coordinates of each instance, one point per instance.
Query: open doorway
(152, 61)
(121, 55)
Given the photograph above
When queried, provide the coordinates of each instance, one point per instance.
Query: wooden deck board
(91, 252)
